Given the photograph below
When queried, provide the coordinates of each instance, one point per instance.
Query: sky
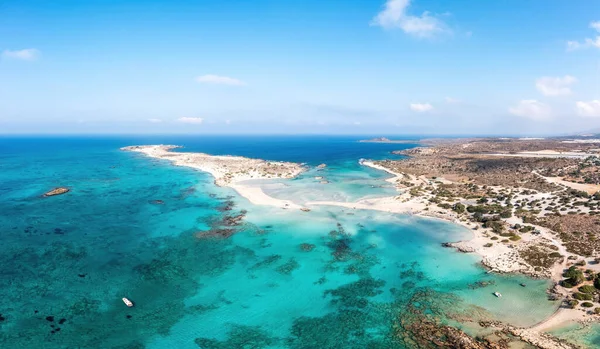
(402, 67)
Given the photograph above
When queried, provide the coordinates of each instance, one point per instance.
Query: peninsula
(532, 204)
(384, 140)
(229, 171)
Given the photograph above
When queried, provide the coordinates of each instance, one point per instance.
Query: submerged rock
(266, 262)
(156, 202)
(307, 247)
(288, 267)
(234, 220)
(216, 233)
(481, 284)
(227, 206)
(57, 191)
(240, 336)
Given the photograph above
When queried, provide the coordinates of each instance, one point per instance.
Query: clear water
(74, 256)
(587, 336)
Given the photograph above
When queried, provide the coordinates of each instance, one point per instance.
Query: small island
(56, 191)
(386, 140)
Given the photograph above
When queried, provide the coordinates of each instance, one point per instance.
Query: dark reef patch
(288, 267)
(240, 337)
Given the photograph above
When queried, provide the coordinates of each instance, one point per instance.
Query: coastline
(497, 258)
(233, 172)
(230, 171)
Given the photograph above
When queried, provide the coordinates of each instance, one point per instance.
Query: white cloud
(588, 109)
(555, 86)
(28, 54)
(587, 42)
(531, 109)
(452, 100)
(394, 15)
(421, 107)
(187, 120)
(154, 121)
(219, 80)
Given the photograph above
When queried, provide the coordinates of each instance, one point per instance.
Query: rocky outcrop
(459, 247)
(428, 334)
(57, 191)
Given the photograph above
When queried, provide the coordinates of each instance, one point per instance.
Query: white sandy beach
(230, 171)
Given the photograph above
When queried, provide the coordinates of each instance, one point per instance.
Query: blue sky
(264, 66)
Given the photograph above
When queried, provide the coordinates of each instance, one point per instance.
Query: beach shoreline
(230, 171)
(235, 172)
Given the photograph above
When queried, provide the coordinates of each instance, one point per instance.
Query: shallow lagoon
(74, 256)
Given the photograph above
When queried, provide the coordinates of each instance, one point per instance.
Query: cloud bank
(555, 86)
(219, 80)
(29, 54)
(188, 120)
(421, 107)
(531, 109)
(395, 16)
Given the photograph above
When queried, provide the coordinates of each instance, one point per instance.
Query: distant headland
(385, 140)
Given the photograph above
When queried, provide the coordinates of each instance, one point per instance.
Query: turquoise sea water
(329, 278)
(584, 335)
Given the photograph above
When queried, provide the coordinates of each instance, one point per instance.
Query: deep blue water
(305, 149)
(66, 261)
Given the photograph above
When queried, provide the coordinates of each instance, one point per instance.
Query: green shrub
(515, 238)
(506, 214)
(587, 289)
(596, 310)
(574, 276)
(582, 296)
(555, 255)
(587, 304)
(597, 283)
(572, 303)
(459, 208)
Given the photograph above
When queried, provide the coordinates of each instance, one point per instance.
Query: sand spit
(229, 171)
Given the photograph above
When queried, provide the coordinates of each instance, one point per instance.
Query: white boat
(497, 294)
(127, 302)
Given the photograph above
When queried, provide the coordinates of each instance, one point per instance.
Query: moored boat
(127, 302)
(497, 294)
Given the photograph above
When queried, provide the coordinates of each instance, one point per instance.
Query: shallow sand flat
(230, 171)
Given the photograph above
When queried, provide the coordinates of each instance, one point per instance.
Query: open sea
(329, 278)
